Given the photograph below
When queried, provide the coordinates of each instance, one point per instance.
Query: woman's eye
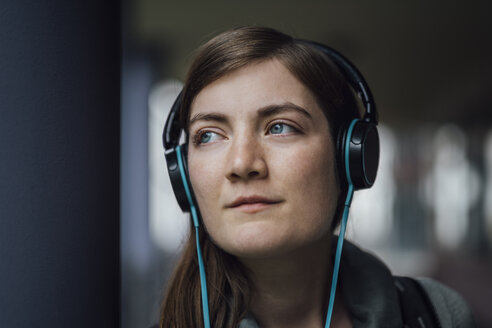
(207, 137)
(279, 128)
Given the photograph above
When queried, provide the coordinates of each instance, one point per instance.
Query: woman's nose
(246, 160)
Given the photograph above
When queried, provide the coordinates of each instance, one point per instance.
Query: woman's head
(263, 112)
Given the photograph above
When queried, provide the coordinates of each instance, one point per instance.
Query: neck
(292, 290)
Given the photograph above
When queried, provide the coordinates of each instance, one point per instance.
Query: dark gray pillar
(59, 163)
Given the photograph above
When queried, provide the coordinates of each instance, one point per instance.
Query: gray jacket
(369, 292)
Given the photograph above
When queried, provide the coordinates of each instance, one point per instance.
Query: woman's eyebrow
(218, 117)
(273, 109)
(265, 111)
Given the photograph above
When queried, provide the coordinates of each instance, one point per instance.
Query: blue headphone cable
(343, 226)
(338, 255)
(196, 223)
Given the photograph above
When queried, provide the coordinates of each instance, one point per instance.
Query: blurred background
(428, 65)
(89, 227)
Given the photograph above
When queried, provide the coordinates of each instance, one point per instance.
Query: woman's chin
(257, 241)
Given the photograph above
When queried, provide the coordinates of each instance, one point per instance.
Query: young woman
(267, 118)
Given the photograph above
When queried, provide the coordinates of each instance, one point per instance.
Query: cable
(203, 278)
(196, 223)
(341, 236)
(338, 254)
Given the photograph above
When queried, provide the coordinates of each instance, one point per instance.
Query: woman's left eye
(280, 128)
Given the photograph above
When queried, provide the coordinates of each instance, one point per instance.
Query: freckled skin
(244, 158)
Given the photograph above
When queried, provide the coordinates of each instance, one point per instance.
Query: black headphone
(357, 144)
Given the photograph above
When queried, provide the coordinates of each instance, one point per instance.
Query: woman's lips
(253, 204)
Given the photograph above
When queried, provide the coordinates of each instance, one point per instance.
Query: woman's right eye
(206, 137)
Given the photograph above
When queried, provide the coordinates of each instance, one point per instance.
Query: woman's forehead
(253, 87)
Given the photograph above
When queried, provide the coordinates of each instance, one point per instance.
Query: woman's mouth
(253, 204)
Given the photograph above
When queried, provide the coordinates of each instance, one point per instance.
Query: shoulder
(450, 307)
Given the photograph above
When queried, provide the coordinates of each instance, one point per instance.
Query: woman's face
(261, 162)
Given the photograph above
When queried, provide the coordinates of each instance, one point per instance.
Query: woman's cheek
(307, 163)
(205, 178)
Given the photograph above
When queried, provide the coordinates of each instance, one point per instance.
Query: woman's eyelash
(280, 127)
(197, 137)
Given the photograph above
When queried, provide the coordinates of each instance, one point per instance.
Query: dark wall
(59, 163)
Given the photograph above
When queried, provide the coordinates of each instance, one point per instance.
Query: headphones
(357, 156)
(357, 144)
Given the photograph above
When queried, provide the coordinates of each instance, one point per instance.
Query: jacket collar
(367, 288)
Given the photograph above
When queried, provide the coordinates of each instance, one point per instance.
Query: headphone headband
(353, 76)
(172, 130)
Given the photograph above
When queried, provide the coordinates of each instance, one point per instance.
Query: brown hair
(227, 280)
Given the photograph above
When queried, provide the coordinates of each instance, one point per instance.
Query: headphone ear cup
(361, 154)
(178, 174)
